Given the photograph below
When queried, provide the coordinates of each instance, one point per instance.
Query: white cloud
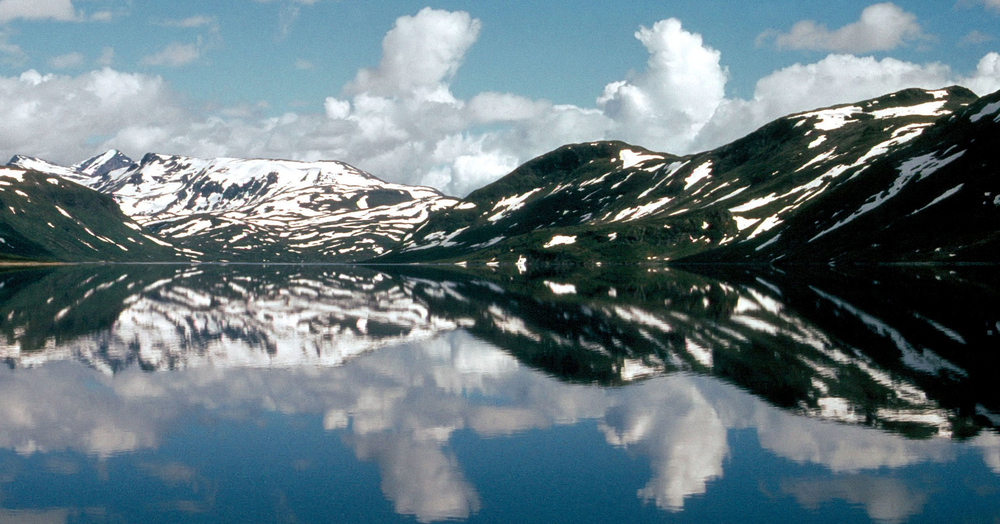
(834, 80)
(67, 61)
(401, 122)
(56, 116)
(174, 55)
(986, 78)
(36, 10)
(303, 64)
(420, 55)
(668, 103)
(882, 27)
(337, 109)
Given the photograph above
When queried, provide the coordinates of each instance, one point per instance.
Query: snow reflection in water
(399, 367)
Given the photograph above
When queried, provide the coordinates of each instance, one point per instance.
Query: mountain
(256, 209)
(44, 217)
(935, 200)
(613, 202)
(907, 177)
(102, 165)
(90, 172)
(27, 163)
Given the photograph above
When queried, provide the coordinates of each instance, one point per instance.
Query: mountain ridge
(595, 202)
(633, 205)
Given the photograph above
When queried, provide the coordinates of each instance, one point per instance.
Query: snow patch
(987, 111)
(755, 203)
(947, 194)
(635, 213)
(935, 108)
(672, 170)
(561, 289)
(830, 119)
(700, 173)
(816, 143)
(631, 158)
(769, 242)
(508, 204)
(820, 158)
(745, 223)
(769, 223)
(560, 240)
(14, 174)
(923, 166)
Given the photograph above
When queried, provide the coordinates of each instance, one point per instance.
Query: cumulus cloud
(36, 10)
(677, 94)
(420, 55)
(56, 116)
(882, 27)
(986, 78)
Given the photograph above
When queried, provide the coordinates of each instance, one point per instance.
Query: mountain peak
(103, 164)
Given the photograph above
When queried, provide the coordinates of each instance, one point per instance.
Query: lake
(283, 393)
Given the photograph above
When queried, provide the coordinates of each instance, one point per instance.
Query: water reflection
(400, 367)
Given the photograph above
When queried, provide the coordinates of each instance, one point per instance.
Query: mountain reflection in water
(219, 387)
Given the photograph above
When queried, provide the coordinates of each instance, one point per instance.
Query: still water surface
(340, 394)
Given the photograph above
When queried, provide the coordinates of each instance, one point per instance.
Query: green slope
(46, 218)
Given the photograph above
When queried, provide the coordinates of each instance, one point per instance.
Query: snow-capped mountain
(610, 201)
(91, 172)
(935, 200)
(104, 164)
(256, 209)
(841, 183)
(28, 163)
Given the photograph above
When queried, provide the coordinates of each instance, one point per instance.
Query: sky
(455, 94)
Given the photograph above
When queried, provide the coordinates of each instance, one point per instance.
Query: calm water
(338, 394)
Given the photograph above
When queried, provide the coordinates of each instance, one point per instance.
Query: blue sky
(477, 87)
